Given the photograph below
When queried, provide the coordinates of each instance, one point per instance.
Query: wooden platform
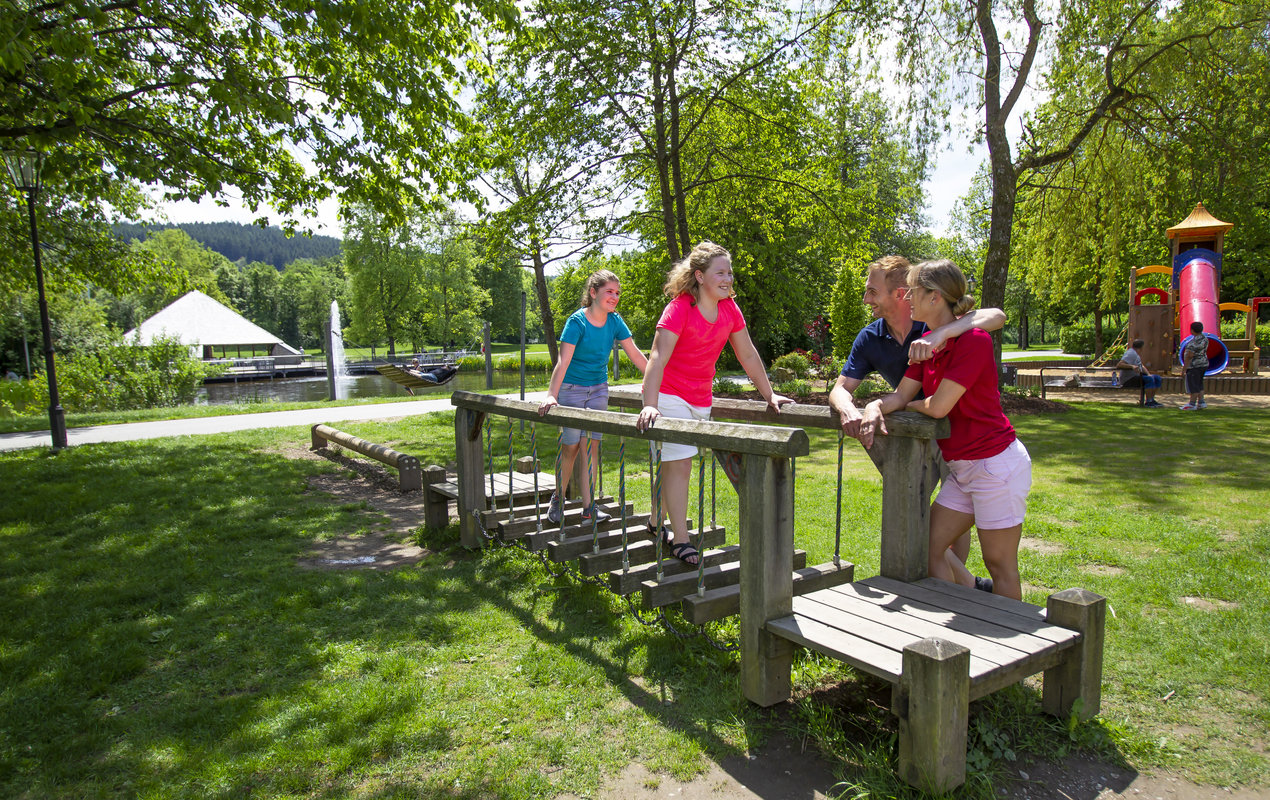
(522, 487)
(869, 623)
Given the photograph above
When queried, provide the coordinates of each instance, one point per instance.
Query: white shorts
(676, 407)
(993, 489)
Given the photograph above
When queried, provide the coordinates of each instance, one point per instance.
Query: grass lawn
(160, 640)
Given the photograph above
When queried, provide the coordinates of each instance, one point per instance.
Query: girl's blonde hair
(944, 277)
(682, 277)
(597, 280)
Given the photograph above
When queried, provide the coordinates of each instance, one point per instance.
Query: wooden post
(766, 498)
(932, 702)
(317, 440)
(1079, 677)
(436, 511)
(471, 474)
(489, 357)
(910, 471)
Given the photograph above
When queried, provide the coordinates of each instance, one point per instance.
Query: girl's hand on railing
(777, 400)
(647, 416)
(547, 404)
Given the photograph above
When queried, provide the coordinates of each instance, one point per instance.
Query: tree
(452, 303)
(308, 288)
(200, 95)
(385, 276)
(1101, 57)
(187, 266)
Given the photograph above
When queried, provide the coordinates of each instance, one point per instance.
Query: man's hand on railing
(872, 422)
(647, 416)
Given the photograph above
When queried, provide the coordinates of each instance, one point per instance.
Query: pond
(314, 388)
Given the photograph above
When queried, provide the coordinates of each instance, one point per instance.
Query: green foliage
(847, 314)
(246, 243)
(471, 363)
(22, 397)
(236, 103)
(795, 388)
(1077, 339)
(123, 375)
(726, 387)
(532, 363)
(1238, 329)
(797, 363)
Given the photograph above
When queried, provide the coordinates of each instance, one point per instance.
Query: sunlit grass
(160, 641)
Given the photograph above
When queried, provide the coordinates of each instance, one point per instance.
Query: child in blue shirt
(580, 380)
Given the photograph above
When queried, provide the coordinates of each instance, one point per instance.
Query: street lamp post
(24, 168)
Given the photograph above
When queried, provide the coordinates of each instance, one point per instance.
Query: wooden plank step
(522, 487)
(726, 602)
(624, 582)
(640, 551)
(527, 524)
(538, 540)
(861, 653)
(525, 511)
(673, 588)
(610, 535)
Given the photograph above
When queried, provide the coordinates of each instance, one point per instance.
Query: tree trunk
(996, 265)
(544, 301)
(1098, 348)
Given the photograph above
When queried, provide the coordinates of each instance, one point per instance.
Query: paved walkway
(133, 431)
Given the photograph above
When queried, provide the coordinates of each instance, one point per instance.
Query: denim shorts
(993, 489)
(594, 397)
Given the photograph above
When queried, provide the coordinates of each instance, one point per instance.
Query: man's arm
(987, 319)
(840, 400)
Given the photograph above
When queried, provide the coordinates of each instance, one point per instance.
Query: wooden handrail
(763, 440)
(801, 415)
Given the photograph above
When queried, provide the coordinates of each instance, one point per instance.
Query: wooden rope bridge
(939, 645)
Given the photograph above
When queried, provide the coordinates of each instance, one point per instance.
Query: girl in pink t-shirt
(989, 471)
(699, 319)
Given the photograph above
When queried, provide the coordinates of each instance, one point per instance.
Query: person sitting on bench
(1133, 373)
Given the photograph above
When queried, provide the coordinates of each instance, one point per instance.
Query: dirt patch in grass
(1042, 547)
(388, 546)
(1205, 604)
(1104, 569)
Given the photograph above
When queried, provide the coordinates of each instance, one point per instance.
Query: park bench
(1088, 378)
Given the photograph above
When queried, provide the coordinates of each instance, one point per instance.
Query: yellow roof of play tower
(1199, 223)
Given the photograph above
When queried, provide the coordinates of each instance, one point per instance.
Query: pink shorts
(993, 489)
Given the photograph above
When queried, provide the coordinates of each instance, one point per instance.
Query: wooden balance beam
(409, 473)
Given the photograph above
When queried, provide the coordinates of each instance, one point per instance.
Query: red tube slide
(1197, 295)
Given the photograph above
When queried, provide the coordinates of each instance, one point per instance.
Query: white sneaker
(1202, 404)
(1188, 407)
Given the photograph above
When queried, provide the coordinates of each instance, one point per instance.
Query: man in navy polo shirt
(887, 345)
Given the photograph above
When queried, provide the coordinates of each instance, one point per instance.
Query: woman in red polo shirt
(699, 320)
(989, 471)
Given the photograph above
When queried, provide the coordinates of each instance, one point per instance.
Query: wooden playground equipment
(939, 645)
(1192, 295)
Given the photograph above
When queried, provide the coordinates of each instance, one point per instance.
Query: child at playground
(699, 319)
(989, 471)
(1195, 356)
(580, 380)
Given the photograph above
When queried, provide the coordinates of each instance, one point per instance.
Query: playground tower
(1196, 248)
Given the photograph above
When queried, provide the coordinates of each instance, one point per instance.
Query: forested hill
(237, 241)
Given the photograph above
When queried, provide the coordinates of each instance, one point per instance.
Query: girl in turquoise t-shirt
(580, 380)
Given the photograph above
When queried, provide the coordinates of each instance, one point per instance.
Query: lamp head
(24, 168)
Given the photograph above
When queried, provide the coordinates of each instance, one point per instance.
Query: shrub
(724, 386)
(1235, 329)
(19, 398)
(512, 363)
(795, 388)
(795, 362)
(1077, 339)
(470, 363)
(870, 386)
(847, 312)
